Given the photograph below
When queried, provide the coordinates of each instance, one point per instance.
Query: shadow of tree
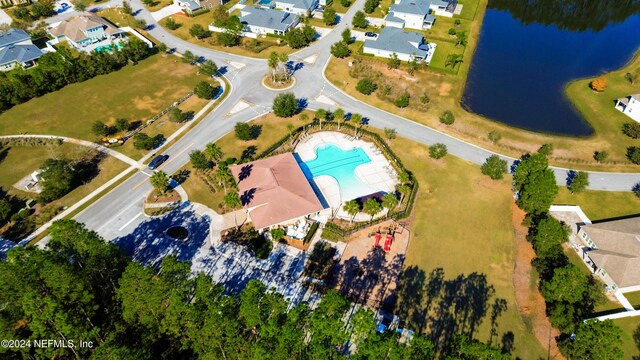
(148, 243)
(636, 338)
(369, 281)
(442, 307)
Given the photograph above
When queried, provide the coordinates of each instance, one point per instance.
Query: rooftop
(19, 53)
(268, 18)
(275, 190)
(618, 252)
(415, 7)
(74, 28)
(398, 41)
(13, 36)
(299, 4)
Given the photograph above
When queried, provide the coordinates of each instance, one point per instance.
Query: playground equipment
(378, 237)
(388, 241)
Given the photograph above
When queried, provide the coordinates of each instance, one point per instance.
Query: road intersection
(120, 210)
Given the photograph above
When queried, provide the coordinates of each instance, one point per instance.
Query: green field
(20, 161)
(135, 93)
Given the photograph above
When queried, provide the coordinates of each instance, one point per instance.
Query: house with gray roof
(299, 7)
(444, 7)
(613, 251)
(189, 6)
(267, 21)
(16, 49)
(406, 45)
(630, 106)
(88, 32)
(412, 14)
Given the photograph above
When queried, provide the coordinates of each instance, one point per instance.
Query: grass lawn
(337, 6)
(263, 47)
(462, 224)
(21, 161)
(599, 205)
(318, 22)
(630, 347)
(452, 192)
(159, 81)
(158, 4)
(445, 90)
(382, 10)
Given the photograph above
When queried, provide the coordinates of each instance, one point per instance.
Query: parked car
(157, 161)
(386, 321)
(370, 34)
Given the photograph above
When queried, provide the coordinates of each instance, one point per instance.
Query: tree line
(83, 288)
(571, 295)
(59, 69)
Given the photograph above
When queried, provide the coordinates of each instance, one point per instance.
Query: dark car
(157, 161)
(370, 34)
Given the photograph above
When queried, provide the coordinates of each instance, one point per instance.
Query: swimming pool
(107, 48)
(339, 164)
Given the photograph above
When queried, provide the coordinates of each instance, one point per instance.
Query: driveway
(166, 11)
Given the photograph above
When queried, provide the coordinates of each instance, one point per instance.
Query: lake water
(529, 50)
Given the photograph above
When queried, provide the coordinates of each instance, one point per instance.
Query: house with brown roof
(87, 32)
(613, 251)
(275, 191)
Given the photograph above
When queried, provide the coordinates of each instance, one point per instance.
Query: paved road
(120, 211)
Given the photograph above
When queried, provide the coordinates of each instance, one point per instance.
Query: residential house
(613, 251)
(189, 6)
(7, 3)
(16, 49)
(444, 7)
(411, 14)
(275, 191)
(630, 106)
(298, 7)
(406, 45)
(88, 32)
(267, 21)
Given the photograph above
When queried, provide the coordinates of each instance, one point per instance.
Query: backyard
(445, 87)
(160, 81)
(20, 161)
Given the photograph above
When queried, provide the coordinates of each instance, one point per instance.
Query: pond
(529, 50)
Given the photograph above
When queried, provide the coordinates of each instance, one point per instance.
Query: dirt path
(530, 302)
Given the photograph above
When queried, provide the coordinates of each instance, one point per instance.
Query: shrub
(142, 141)
(437, 151)
(177, 115)
(403, 100)
(579, 182)
(494, 136)
(447, 118)
(359, 20)
(243, 131)
(204, 90)
(285, 105)
(171, 24)
(452, 32)
(494, 167)
(633, 154)
(345, 3)
(599, 84)
(329, 16)
(546, 149)
(600, 156)
(631, 129)
(425, 98)
(340, 50)
(366, 86)
(199, 32)
(371, 5)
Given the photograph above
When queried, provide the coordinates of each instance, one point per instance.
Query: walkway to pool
(376, 176)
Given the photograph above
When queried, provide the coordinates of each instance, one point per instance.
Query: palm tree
(223, 176)
(283, 58)
(453, 60)
(462, 39)
(357, 118)
(404, 177)
(404, 189)
(320, 115)
(232, 200)
(213, 152)
(371, 207)
(389, 201)
(352, 208)
(339, 116)
(273, 62)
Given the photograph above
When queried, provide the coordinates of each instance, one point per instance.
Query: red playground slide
(378, 236)
(387, 243)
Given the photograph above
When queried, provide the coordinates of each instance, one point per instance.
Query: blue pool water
(265, 3)
(107, 48)
(339, 164)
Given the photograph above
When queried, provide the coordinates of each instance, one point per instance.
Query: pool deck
(377, 174)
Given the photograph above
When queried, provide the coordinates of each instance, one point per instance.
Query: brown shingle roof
(275, 190)
(618, 252)
(74, 27)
